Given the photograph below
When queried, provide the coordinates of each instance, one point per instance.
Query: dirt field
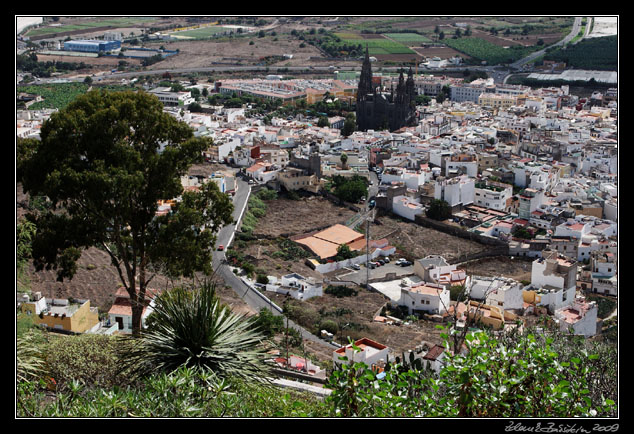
(414, 241)
(286, 218)
(198, 54)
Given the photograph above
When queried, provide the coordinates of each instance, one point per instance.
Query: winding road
(249, 295)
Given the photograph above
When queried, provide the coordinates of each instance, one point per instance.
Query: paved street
(225, 237)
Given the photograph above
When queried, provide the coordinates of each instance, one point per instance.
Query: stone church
(377, 110)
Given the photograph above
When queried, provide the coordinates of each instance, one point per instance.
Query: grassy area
(408, 39)
(375, 46)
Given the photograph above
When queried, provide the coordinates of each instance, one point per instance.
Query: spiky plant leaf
(192, 328)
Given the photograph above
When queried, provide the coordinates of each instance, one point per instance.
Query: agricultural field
(59, 95)
(408, 39)
(376, 45)
(484, 50)
(593, 53)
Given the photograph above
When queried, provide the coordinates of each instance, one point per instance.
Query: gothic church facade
(377, 110)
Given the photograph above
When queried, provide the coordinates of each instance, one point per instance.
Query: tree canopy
(439, 210)
(350, 189)
(104, 163)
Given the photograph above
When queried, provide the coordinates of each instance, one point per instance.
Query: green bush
(93, 360)
(268, 323)
(518, 375)
(438, 210)
(340, 291)
(185, 392)
(267, 194)
(191, 327)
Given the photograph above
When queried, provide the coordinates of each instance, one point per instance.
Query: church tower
(384, 110)
(365, 80)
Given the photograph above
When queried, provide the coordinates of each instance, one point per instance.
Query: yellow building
(298, 179)
(492, 316)
(495, 100)
(77, 317)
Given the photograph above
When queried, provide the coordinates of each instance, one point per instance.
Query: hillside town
(524, 174)
(532, 170)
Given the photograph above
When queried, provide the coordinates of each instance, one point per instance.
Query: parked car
(356, 266)
(405, 263)
(386, 259)
(381, 261)
(221, 247)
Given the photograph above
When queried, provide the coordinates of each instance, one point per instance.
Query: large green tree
(350, 189)
(438, 210)
(104, 162)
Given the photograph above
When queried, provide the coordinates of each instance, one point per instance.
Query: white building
(426, 297)
(169, 98)
(411, 178)
(580, 318)
(455, 191)
(497, 291)
(493, 195)
(553, 281)
(407, 207)
(471, 91)
(573, 228)
(121, 311)
(369, 352)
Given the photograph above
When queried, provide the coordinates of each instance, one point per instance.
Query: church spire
(365, 79)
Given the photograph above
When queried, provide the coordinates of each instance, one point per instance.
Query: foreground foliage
(190, 327)
(186, 392)
(518, 376)
(515, 375)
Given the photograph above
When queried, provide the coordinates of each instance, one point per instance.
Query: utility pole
(367, 251)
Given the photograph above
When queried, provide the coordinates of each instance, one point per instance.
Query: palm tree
(191, 328)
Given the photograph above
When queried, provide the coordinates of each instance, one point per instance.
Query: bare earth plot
(200, 54)
(285, 218)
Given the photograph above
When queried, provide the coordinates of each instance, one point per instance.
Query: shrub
(518, 375)
(329, 325)
(268, 323)
(185, 392)
(340, 291)
(93, 360)
(439, 210)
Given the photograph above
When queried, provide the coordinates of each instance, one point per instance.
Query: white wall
(586, 326)
(425, 302)
(401, 208)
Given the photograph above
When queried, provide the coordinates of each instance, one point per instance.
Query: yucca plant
(192, 328)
